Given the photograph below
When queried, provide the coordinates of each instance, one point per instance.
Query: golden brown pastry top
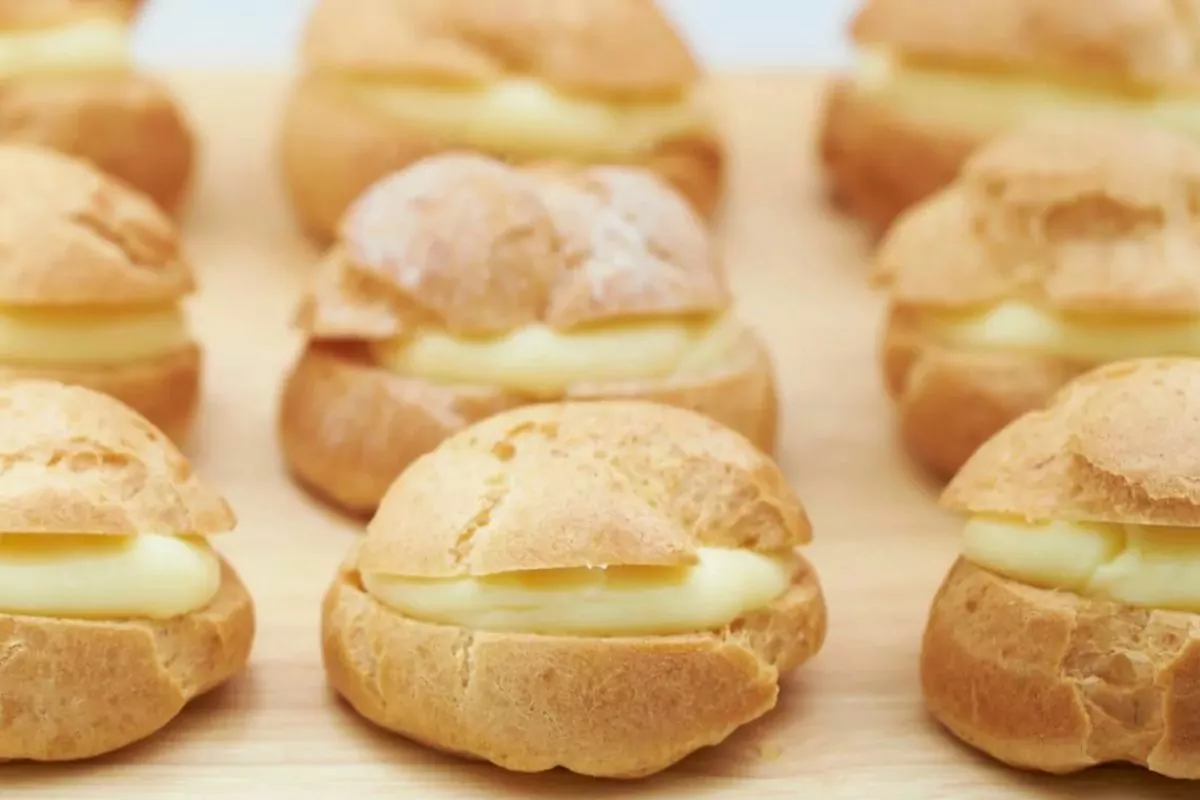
(17, 14)
(1084, 215)
(581, 484)
(470, 245)
(75, 461)
(624, 48)
(70, 235)
(1119, 444)
(1135, 41)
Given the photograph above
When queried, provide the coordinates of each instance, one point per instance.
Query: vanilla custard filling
(106, 577)
(78, 337)
(539, 360)
(1139, 565)
(89, 45)
(603, 601)
(523, 117)
(1018, 327)
(981, 101)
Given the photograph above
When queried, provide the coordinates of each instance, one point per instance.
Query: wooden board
(850, 725)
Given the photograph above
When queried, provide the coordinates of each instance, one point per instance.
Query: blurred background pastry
(937, 78)
(388, 82)
(114, 609)
(461, 287)
(1067, 634)
(91, 282)
(1062, 246)
(605, 587)
(67, 81)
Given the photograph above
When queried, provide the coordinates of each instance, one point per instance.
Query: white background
(728, 34)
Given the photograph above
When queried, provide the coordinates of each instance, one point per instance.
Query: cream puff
(462, 287)
(605, 587)
(1062, 246)
(1068, 633)
(388, 82)
(938, 78)
(67, 82)
(114, 609)
(91, 282)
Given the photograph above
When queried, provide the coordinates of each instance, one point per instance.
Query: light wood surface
(850, 724)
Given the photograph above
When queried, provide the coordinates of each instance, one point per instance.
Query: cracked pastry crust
(1051, 680)
(80, 462)
(1073, 219)
(564, 249)
(879, 164)
(559, 486)
(73, 237)
(332, 149)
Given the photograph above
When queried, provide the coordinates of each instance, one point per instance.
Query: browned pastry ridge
(77, 461)
(125, 123)
(1078, 221)
(1051, 680)
(74, 238)
(560, 486)
(467, 245)
(881, 161)
(333, 147)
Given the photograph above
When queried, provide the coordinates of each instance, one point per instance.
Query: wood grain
(850, 725)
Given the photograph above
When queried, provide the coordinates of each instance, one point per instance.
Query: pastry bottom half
(332, 149)
(73, 689)
(1052, 681)
(349, 427)
(949, 402)
(618, 707)
(878, 164)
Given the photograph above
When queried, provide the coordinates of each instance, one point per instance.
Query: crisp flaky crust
(332, 149)
(666, 480)
(610, 244)
(348, 428)
(528, 703)
(76, 689)
(127, 125)
(878, 164)
(77, 461)
(622, 48)
(950, 402)
(1068, 214)
(1052, 681)
(72, 236)
(1143, 42)
(1121, 444)
(563, 486)
(164, 390)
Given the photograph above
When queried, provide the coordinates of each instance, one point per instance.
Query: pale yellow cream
(541, 361)
(1019, 327)
(70, 337)
(106, 577)
(91, 45)
(1140, 565)
(988, 101)
(520, 116)
(604, 601)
